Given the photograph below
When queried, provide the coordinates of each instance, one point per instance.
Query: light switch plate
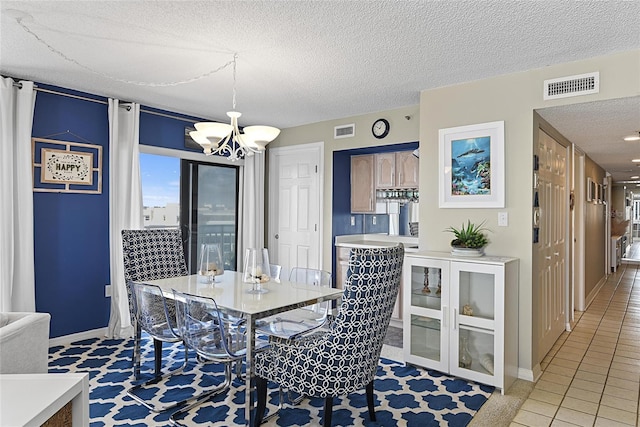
(503, 219)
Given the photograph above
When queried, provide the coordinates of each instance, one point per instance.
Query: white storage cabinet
(460, 316)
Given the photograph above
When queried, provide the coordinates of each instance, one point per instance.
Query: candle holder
(256, 269)
(211, 264)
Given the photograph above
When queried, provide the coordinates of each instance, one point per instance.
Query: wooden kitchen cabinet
(363, 198)
(407, 170)
(385, 170)
(342, 265)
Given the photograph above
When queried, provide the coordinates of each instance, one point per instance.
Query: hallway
(592, 374)
(633, 253)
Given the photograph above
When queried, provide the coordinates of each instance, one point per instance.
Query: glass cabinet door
(426, 297)
(473, 298)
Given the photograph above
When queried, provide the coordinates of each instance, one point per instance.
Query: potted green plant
(470, 239)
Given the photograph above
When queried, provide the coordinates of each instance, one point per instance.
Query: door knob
(277, 236)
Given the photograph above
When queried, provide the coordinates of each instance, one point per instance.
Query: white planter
(467, 252)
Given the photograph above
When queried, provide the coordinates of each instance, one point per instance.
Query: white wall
(512, 98)
(401, 130)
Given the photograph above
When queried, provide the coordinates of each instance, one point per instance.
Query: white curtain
(125, 204)
(17, 276)
(252, 204)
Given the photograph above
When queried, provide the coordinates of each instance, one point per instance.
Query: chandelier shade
(227, 139)
(261, 135)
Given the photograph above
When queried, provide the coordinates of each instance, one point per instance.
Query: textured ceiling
(299, 62)
(599, 128)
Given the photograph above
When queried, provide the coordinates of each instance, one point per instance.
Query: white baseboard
(396, 323)
(530, 375)
(592, 295)
(68, 339)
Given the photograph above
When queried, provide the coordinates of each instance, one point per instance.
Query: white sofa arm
(24, 343)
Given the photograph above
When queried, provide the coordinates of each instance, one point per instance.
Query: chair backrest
(153, 254)
(149, 255)
(152, 312)
(370, 294)
(210, 332)
(274, 271)
(310, 276)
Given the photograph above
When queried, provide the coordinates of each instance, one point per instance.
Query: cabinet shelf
(422, 294)
(422, 322)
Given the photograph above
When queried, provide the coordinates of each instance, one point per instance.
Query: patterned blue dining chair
(149, 255)
(344, 359)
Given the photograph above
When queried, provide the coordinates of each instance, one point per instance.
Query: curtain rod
(99, 101)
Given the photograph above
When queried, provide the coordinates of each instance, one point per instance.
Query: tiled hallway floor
(592, 374)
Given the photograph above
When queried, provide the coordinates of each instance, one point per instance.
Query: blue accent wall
(71, 230)
(341, 202)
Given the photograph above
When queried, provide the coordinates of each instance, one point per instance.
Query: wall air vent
(564, 87)
(344, 131)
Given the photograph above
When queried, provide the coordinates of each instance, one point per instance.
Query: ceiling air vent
(564, 87)
(344, 131)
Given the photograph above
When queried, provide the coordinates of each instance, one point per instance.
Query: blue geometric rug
(404, 395)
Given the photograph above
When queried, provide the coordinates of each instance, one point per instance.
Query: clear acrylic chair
(214, 335)
(154, 317)
(274, 272)
(302, 320)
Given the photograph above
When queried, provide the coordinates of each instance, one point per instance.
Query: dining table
(232, 294)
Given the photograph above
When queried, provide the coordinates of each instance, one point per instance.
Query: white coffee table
(31, 399)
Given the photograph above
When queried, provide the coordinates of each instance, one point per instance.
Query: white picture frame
(471, 166)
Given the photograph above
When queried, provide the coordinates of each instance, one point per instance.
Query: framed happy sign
(66, 167)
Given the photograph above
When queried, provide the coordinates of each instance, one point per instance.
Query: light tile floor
(592, 374)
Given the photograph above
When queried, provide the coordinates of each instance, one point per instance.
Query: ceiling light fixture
(227, 139)
(636, 160)
(633, 137)
(634, 177)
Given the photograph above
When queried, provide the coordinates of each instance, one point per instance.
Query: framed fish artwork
(471, 161)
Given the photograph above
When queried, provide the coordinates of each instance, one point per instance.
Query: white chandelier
(226, 139)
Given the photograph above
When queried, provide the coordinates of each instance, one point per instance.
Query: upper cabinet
(362, 184)
(381, 171)
(407, 170)
(385, 170)
(397, 170)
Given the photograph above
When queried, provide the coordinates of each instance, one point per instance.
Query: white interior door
(295, 204)
(552, 250)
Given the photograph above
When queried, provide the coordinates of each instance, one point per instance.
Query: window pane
(217, 209)
(210, 198)
(160, 176)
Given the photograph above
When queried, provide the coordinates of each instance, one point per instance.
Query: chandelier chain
(134, 82)
(235, 57)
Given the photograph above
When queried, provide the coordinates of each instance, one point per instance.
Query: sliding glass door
(209, 209)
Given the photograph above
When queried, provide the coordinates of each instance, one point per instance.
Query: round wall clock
(380, 128)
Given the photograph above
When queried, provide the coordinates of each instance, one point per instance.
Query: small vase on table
(211, 264)
(256, 269)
